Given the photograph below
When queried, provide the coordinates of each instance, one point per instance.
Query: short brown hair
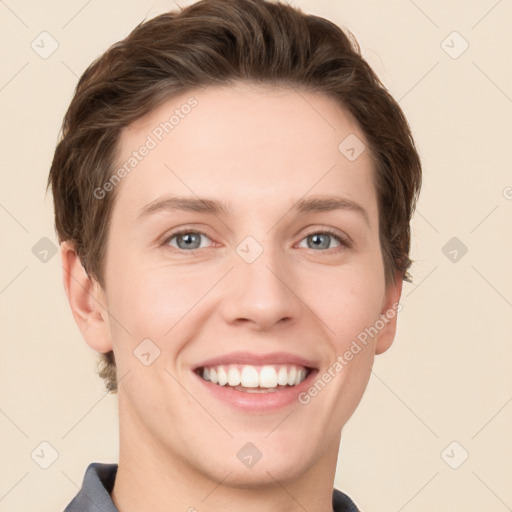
(221, 42)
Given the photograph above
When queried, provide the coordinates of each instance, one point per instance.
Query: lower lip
(258, 402)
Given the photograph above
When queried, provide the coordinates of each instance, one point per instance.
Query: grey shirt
(94, 496)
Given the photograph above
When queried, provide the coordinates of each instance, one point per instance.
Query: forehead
(244, 143)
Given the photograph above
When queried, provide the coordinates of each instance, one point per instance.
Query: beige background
(448, 375)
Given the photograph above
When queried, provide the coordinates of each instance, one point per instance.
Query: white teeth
(233, 376)
(249, 378)
(223, 376)
(268, 376)
(282, 376)
(292, 375)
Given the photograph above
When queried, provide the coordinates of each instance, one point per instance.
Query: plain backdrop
(433, 429)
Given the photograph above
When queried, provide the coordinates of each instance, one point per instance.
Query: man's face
(260, 278)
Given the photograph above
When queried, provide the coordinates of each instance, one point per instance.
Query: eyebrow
(213, 207)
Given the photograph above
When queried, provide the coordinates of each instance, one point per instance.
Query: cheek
(347, 301)
(151, 302)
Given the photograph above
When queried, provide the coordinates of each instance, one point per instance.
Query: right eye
(186, 240)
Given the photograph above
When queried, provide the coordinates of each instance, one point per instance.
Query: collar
(94, 496)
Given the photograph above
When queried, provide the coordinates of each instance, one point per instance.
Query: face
(244, 241)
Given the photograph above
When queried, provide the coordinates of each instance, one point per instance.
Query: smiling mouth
(255, 379)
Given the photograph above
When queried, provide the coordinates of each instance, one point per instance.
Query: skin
(247, 146)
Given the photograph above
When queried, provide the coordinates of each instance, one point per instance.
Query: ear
(389, 315)
(87, 300)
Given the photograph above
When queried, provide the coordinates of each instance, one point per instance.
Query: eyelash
(344, 242)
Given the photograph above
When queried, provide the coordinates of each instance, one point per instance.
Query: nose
(262, 294)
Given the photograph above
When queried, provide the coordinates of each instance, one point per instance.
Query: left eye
(321, 240)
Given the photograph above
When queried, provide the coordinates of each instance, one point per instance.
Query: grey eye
(187, 240)
(321, 240)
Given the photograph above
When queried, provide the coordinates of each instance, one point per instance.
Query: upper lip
(257, 359)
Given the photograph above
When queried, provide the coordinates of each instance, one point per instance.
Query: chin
(260, 464)
(261, 475)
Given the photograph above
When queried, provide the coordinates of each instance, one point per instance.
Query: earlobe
(85, 298)
(389, 314)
